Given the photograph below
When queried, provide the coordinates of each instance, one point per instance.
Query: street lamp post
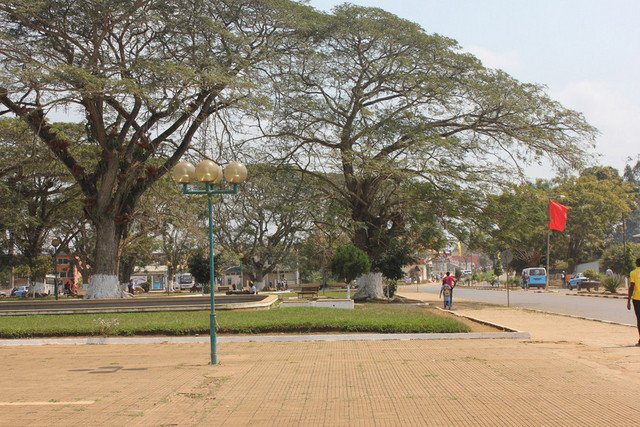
(55, 243)
(210, 174)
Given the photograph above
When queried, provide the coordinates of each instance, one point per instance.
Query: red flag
(557, 216)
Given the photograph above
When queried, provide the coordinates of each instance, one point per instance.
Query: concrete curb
(263, 338)
(263, 304)
(599, 296)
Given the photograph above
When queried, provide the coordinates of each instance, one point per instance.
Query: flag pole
(546, 287)
(548, 272)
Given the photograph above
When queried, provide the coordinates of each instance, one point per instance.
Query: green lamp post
(56, 244)
(210, 175)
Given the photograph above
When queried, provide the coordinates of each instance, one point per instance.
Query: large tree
(598, 200)
(263, 223)
(145, 74)
(380, 101)
(36, 194)
(517, 220)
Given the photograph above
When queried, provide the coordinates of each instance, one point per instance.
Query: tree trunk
(127, 266)
(104, 281)
(369, 287)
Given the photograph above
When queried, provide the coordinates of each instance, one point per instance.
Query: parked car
(20, 291)
(3, 294)
(576, 280)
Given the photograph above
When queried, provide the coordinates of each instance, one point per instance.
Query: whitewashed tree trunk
(369, 287)
(104, 286)
(104, 282)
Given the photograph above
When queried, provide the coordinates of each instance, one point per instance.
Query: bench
(307, 290)
(224, 288)
(588, 284)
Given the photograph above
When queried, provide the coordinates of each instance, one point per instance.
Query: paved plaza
(570, 372)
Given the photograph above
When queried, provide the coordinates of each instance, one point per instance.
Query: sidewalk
(571, 372)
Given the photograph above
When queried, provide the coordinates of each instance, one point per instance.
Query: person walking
(634, 295)
(450, 281)
(445, 292)
(525, 280)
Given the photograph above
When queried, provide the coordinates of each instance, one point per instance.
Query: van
(184, 281)
(536, 277)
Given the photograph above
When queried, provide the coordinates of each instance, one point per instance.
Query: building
(66, 270)
(232, 276)
(155, 275)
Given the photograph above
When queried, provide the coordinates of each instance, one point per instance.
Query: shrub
(392, 285)
(514, 281)
(488, 276)
(106, 326)
(620, 262)
(591, 274)
(612, 283)
(349, 262)
(497, 268)
(145, 286)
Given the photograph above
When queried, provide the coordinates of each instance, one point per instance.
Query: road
(560, 301)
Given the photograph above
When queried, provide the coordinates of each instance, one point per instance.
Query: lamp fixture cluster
(209, 172)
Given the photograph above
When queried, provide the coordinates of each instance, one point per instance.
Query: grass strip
(378, 318)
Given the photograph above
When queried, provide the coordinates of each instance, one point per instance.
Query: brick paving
(571, 372)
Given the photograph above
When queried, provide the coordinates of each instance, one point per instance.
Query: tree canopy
(145, 75)
(380, 101)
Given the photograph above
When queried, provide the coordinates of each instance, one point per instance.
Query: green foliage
(612, 283)
(176, 66)
(391, 261)
(265, 222)
(349, 262)
(37, 269)
(497, 268)
(597, 203)
(378, 318)
(391, 286)
(615, 258)
(522, 230)
(419, 111)
(458, 274)
(488, 276)
(198, 264)
(591, 274)
(145, 286)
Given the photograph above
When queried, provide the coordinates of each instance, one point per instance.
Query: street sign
(506, 257)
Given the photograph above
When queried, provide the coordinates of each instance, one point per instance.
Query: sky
(586, 52)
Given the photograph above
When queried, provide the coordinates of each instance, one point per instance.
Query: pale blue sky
(587, 52)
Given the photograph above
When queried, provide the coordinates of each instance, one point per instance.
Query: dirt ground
(571, 372)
